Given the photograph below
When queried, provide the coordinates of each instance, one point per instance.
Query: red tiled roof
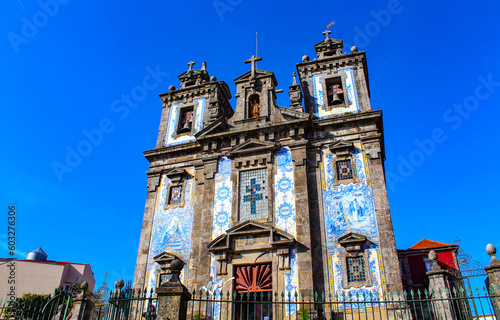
(428, 244)
(52, 262)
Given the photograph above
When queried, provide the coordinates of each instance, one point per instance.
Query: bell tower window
(186, 120)
(335, 91)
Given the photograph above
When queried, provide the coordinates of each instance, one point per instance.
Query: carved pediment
(165, 256)
(164, 259)
(175, 175)
(352, 241)
(290, 114)
(253, 145)
(251, 236)
(217, 126)
(341, 148)
(258, 73)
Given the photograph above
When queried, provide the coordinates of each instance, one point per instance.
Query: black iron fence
(454, 304)
(57, 307)
(479, 303)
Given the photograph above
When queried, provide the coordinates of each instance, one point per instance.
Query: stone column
(438, 279)
(493, 271)
(173, 296)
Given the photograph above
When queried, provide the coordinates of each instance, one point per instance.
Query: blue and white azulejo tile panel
(284, 192)
(319, 99)
(223, 198)
(173, 119)
(285, 218)
(172, 228)
(350, 208)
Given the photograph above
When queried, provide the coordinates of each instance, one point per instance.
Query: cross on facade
(253, 197)
(253, 61)
(191, 63)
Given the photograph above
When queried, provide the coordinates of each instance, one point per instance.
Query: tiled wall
(350, 208)
(172, 227)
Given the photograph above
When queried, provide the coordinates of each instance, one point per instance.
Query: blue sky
(68, 68)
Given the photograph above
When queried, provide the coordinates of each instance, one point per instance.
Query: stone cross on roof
(191, 63)
(253, 61)
(327, 32)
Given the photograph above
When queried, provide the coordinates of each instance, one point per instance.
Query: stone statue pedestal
(172, 301)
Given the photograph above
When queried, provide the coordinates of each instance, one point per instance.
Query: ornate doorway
(254, 287)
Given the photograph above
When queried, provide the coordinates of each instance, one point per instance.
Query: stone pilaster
(384, 220)
(319, 263)
(493, 271)
(199, 265)
(304, 259)
(154, 181)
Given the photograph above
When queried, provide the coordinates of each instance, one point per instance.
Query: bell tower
(255, 97)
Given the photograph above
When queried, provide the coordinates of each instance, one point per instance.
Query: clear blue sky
(62, 72)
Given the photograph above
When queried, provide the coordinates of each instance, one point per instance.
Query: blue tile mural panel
(350, 208)
(285, 218)
(284, 192)
(171, 231)
(320, 109)
(223, 198)
(173, 119)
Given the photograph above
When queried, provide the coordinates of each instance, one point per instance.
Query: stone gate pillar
(173, 296)
(493, 271)
(438, 279)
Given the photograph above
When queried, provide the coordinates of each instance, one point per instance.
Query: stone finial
(433, 257)
(305, 58)
(171, 88)
(294, 79)
(204, 65)
(84, 286)
(213, 79)
(119, 284)
(491, 250)
(354, 49)
(175, 269)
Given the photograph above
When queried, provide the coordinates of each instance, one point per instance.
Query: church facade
(264, 198)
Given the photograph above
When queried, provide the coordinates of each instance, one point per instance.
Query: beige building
(41, 276)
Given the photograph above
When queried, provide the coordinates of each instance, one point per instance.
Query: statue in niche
(254, 106)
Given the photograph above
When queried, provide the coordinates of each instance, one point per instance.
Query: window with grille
(344, 169)
(253, 194)
(356, 269)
